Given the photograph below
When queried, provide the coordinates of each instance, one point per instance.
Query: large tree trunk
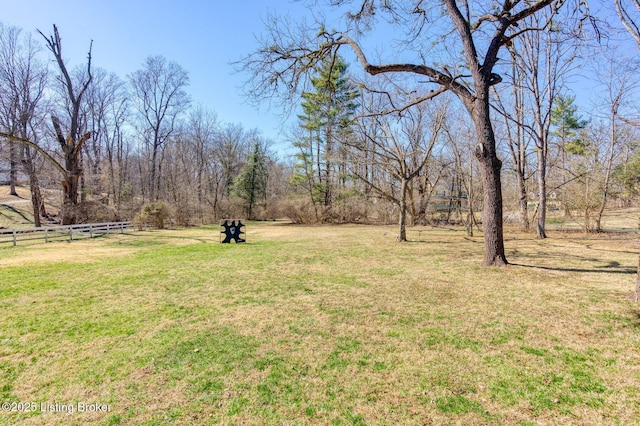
(70, 189)
(71, 171)
(490, 167)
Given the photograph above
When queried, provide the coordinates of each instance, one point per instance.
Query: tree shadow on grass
(15, 211)
(607, 269)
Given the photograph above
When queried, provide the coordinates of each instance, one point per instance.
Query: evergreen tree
(326, 119)
(251, 184)
(628, 175)
(567, 123)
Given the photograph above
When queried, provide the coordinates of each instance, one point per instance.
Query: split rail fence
(61, 233)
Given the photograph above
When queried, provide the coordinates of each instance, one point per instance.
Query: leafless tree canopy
(491, 72)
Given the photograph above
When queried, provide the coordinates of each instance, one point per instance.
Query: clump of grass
(329, 325)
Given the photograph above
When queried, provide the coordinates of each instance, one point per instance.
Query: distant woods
(95, 146)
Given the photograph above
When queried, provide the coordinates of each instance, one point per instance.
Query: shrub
(299, 210)
(156, 212)
(94, 212)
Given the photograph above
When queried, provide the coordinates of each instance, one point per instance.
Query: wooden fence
(61, 233)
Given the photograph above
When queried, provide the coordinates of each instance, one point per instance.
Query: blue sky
(202, 36)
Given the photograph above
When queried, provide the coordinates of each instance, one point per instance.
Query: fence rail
(61, 233)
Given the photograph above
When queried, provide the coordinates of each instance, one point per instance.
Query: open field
(320, 325)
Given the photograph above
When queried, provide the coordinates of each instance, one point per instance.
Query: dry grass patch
(325, 325)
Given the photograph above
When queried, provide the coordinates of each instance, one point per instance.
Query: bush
(299, 210)
(94, 212)
(156, 212)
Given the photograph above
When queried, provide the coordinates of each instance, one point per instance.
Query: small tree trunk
(152, 177)
(523, 202)
(36, 200)
(402, 222)
(13, 173)
(469, 224)
(587, 219)
(542, 194)
(637, 295)
(607, 176)
(34, 186)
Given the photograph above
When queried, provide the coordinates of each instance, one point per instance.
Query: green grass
(321, 325)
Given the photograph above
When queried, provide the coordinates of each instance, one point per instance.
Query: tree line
(501, 70)
(112, 145)
(471, 122)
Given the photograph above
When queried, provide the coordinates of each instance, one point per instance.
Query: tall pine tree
(567, 124)
(251, 184)
(327, 113)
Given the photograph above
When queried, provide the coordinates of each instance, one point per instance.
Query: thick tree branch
(464, 29)
(35, 146)
(59, 135)
(627, 121)
(54, 44)
(436, 76)
(399, 109)
(80, 143)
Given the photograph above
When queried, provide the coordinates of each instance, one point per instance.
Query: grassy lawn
(320, 325)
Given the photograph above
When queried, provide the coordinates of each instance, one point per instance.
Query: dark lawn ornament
(232, 231)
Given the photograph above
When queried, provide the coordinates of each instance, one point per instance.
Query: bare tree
(618, 81)
(479, 31)
(107, 110)
(541, 63)
(23, 80)
(630, 19)
(201, 130)
(72, 141)
(160, 98)
(460, 142)
(401, 145)
(517, 139)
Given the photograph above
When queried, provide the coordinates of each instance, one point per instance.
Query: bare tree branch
(627, 20)
(35, 146)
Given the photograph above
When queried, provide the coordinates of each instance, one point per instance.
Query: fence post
(14, 238)
(107, 228)
(90, 231)
(70, 233)
(46, 236)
